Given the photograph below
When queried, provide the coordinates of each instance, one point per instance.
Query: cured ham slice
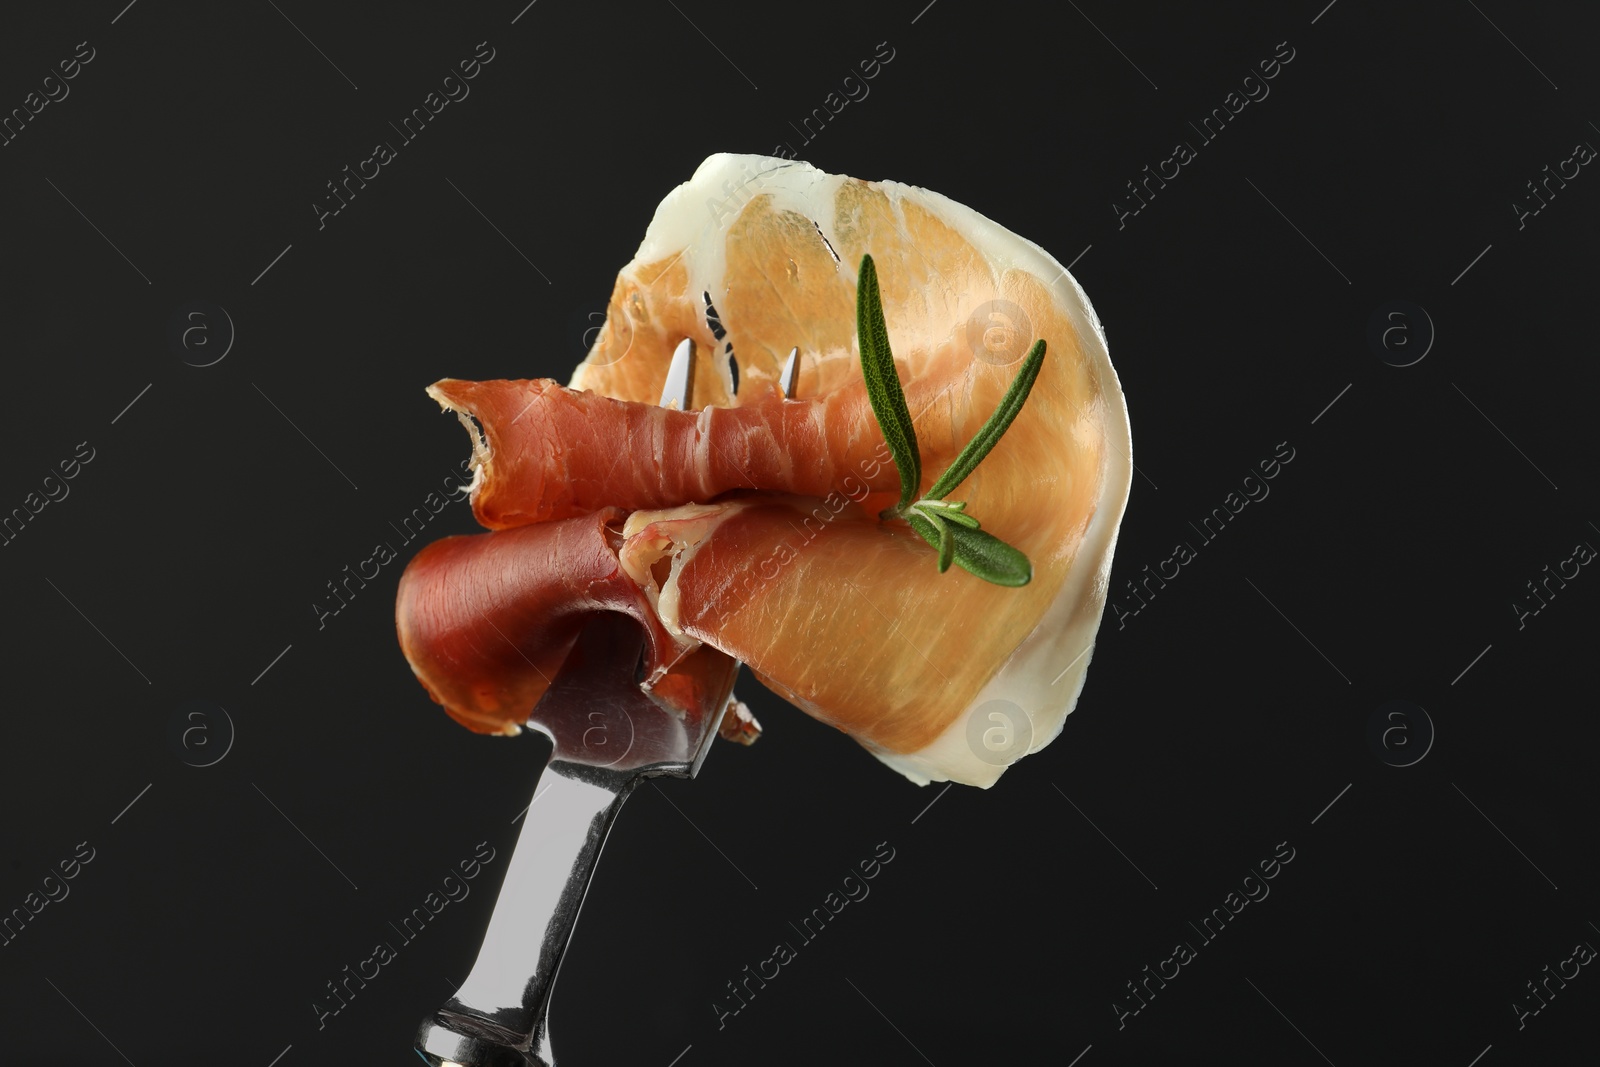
(750, 526)
(487, 621)
(547, 452)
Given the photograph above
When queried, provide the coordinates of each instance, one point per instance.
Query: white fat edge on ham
(481, 454)
(1045, 674)
(1047, 671)
(679, 533)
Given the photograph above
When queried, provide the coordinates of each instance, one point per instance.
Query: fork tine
(791, 373)
(675, 394)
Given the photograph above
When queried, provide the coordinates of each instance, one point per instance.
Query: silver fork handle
(601, 736)
(498, 1018)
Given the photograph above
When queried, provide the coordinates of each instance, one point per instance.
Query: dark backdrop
(1243, 712)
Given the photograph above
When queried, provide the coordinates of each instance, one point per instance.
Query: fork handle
(498, 1018)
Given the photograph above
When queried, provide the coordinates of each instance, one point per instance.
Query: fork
(598, 737)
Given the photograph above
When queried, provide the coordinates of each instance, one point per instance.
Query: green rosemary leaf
(990, 558)
(883, 382)
(977, 552)
(927, 528)
(947, 511)
(991, 432)
(943, 524)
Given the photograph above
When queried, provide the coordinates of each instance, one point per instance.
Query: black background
(1220, 721)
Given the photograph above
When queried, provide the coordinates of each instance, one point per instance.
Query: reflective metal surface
(789, 377)
(680, 376)
(601, 736)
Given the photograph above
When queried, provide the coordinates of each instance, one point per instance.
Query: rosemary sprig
(945, 525)
(883, 384)
(998, 424)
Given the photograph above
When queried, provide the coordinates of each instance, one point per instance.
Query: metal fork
(599, 736)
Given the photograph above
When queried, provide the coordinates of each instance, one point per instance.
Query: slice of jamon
(942, 676)
(488, 620)
(536, 456)
(885, 638)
